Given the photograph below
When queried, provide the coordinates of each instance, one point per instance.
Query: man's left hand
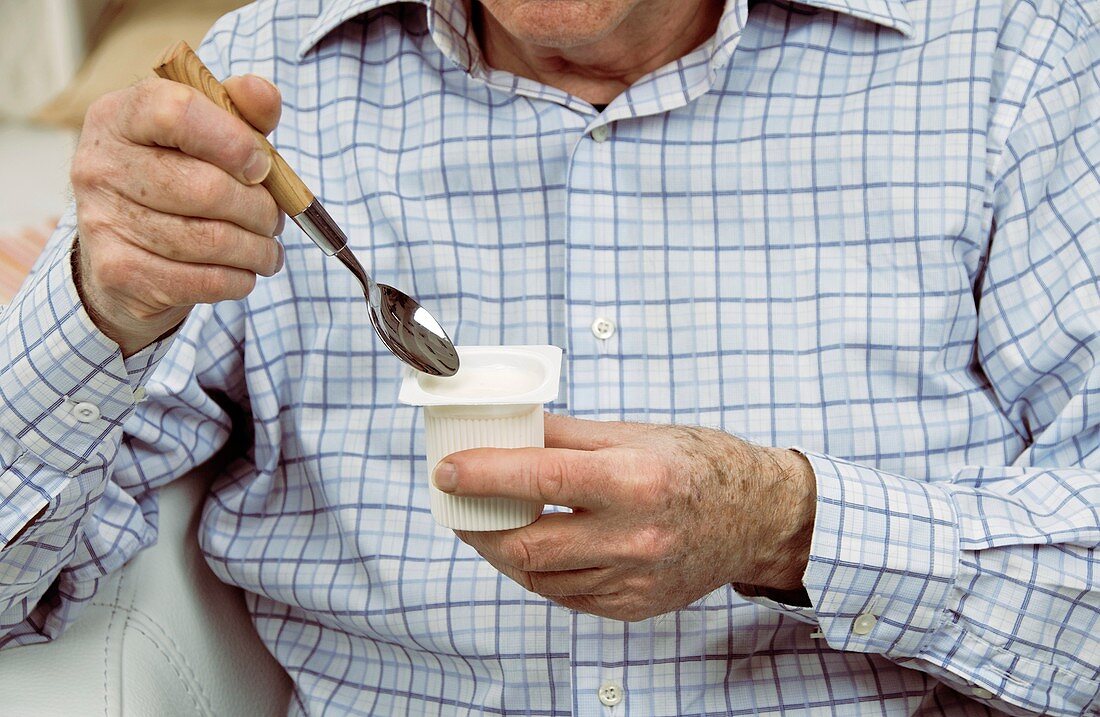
(662, 515)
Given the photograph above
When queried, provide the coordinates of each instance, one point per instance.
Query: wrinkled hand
(169, 209)
(662, 515)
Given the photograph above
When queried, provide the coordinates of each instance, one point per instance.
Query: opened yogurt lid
(489, 376)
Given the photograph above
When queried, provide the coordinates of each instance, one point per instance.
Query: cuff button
(85, 412)
(864, 624)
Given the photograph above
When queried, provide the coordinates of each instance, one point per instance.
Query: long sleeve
(988, 579)
(85, 437)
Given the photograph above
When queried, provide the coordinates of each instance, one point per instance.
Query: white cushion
(163, 637)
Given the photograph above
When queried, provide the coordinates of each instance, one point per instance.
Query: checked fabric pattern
(865, 229)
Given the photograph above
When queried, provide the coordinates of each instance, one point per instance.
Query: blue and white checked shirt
(867, 228)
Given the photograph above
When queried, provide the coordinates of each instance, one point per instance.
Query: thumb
(257, 99)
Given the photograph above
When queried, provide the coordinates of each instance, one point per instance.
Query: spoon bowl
(407, 329)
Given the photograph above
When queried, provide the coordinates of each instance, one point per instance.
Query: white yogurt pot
(494, 401)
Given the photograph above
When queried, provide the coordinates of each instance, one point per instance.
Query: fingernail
(259, 164)
(282, 256)
(445, 477)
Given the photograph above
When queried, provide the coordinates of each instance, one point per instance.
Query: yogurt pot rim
(541, 363)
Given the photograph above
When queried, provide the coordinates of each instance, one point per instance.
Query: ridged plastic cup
(494, 401)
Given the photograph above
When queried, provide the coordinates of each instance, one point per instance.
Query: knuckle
(547, 476)
(238, 151)
(519, 553)
(113, 270)
(103, 111)
(208, 189)
(161, 294)
(655, 484)
(191, 182)
(170, 104)
(651, 544)
(166, 175)
(91, 221)
(106, 271)
(144, 88)
(95, 114)
(207, 183)
(90, 169)
(83, 174)
(204, 239)
(208, 286)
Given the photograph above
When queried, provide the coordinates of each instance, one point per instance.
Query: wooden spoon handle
(180, 64)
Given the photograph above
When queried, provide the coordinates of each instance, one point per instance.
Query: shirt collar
(888, 13)
(450, 25)
(335, 13)
(448, 22)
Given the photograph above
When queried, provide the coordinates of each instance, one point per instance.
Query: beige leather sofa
(163, 638)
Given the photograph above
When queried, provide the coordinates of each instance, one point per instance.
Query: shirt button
(603, 328)
(982, 693)
(85, 412)
(864, 624)
(610, 694)
(139, 394)
(601, 133)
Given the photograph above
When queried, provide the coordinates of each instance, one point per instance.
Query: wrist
(130, 339)
(791, 489)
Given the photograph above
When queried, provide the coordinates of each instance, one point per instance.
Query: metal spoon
(403, 325)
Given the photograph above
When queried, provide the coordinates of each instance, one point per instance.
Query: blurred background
(56, 58)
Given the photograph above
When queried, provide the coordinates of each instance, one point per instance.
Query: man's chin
(560, 24)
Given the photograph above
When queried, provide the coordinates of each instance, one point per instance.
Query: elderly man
(826, 278)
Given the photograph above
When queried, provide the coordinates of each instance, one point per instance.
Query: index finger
(556, 476)
(169, 114)
(587, 435)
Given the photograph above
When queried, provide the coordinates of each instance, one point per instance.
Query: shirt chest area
(822, 204)
(815, 142)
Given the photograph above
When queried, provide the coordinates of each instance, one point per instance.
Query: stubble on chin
(561, 24)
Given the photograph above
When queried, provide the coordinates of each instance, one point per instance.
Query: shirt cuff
(883, 558)
(64, 386)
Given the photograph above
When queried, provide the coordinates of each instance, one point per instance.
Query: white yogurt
(494, 380)
(489, 375)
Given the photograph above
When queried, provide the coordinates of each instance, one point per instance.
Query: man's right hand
(170, 212)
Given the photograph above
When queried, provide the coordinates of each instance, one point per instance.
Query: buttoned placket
(592, 328)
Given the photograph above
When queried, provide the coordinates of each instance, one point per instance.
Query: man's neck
(657, 33)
